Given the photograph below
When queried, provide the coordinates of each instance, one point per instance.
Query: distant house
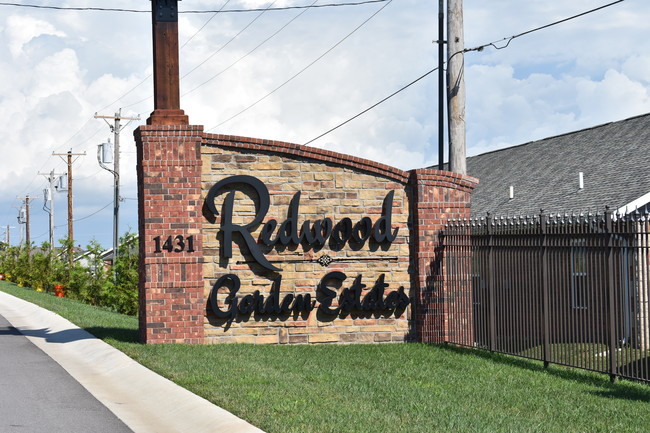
(88, 258)
(611, 159)
(129, 242)
(85, 259)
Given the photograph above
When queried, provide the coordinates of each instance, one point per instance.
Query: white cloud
(57, 73)
(613, 98)
(21, 29)
(636, 67)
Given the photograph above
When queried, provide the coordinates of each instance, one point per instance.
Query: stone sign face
(302, 250)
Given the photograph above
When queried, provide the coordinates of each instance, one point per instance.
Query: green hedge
(92, 282)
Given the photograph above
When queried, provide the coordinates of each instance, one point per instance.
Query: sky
(291, 75)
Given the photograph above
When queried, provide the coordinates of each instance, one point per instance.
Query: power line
(87, 216)
(47, 161)
(69, 8)
(248, 53)
(478, 48)
(229, 41)
(209, 11)
(207, 58)
(205, 24)
(150, 75)
(373, 106)
(145, 79)
(94, 213)
(511, 38)
(284, 8)
(305, 68)
(40, 236)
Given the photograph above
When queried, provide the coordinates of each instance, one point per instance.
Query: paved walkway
(55, 377)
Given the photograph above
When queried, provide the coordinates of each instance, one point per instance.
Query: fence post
(545, 288)
(490, 280)
(611, 294)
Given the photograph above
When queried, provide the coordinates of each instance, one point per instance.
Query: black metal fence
(563, 289)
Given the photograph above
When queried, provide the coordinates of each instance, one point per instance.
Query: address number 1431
(174, 244)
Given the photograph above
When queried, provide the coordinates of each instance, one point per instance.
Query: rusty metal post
(166, 80)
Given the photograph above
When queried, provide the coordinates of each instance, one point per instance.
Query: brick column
(169, 204)
(437, 197)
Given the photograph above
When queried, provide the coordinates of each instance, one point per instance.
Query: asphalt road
(38, 395)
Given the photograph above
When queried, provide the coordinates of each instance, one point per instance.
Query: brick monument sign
(259, 241)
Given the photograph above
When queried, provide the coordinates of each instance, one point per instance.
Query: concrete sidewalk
(140, 398)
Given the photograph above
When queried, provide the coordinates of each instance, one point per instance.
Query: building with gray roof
(586, 170)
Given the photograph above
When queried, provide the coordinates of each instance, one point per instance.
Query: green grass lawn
(376, 388)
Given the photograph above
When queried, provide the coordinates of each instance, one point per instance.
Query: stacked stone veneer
(177, 165)
(331, 186)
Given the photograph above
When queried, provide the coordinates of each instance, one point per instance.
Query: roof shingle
(614, 157)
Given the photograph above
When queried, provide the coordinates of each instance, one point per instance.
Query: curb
(143, 400)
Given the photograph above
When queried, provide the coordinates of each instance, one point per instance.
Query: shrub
(87, 280)
(122, 295)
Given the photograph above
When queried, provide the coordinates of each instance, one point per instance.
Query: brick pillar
(437, 197)
(169, 204)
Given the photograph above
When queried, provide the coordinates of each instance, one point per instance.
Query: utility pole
(441, 85)
(456, 86)
(116, 129)
(8, 235)
(27, 237)
(48, 196)
(26, 222)
(21, 221)
(69, 161)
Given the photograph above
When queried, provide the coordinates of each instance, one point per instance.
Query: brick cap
(433, 177)
(168, 117)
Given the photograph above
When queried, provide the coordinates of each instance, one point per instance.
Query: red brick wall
(169, 190)
(438, 197)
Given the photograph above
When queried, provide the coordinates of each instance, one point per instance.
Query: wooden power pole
(456, 87)
(49, 197)
(68, 160)
(26, 222)
(116, 129)
(27, 237)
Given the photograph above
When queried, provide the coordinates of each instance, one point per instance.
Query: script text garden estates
(349, 301)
